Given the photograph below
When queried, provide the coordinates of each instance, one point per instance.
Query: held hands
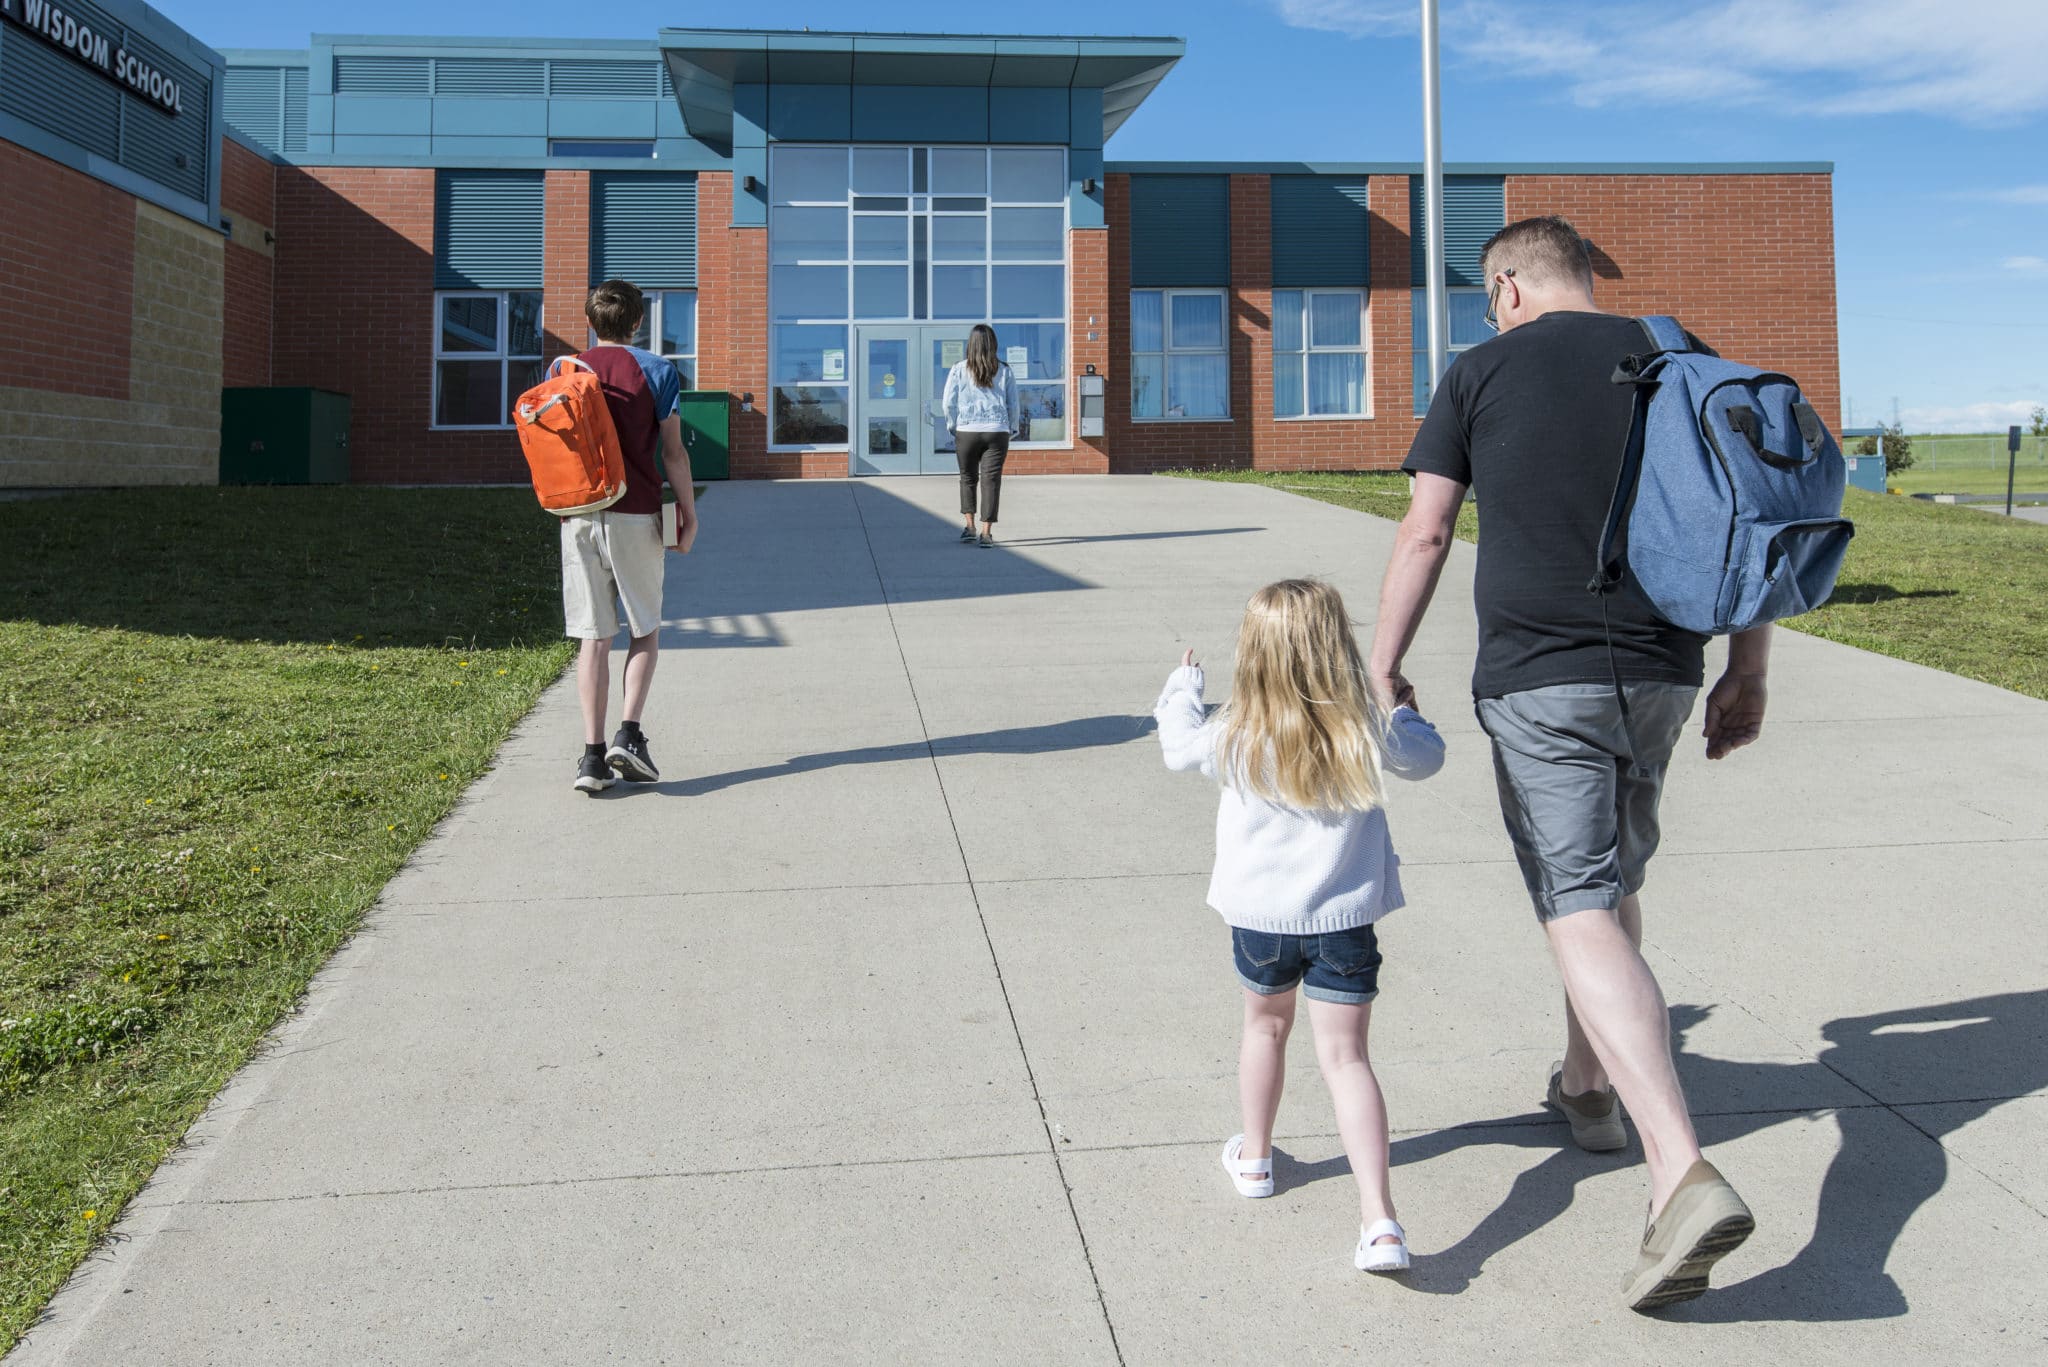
(1735, 713)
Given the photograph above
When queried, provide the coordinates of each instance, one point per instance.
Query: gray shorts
(611, 558)
(1582, 818)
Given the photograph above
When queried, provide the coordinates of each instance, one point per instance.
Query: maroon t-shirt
(641, 389)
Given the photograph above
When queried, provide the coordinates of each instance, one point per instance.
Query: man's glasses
(1493, 298)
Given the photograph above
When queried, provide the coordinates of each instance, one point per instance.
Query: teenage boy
(618, 552)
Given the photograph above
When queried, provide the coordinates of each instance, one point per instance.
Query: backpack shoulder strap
(1665, 333)
(1607, 571)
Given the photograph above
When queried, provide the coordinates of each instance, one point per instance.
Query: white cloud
(2020, 194)
(1354, 18)
(1973, 61)
(2027, 265)
(1969, 417)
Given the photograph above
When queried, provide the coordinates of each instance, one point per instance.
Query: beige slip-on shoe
(1702, 1223)
(1595, 1117)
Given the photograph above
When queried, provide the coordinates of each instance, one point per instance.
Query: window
(487, 351)
(882, 234)
(669, 330)
(1180, 355)
(566, 147)
(1319, 353)
(1467, 308)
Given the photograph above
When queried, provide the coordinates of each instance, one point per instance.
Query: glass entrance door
(899, 425)
(888, 436)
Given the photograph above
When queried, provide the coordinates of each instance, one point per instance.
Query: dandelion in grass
(88, 1215)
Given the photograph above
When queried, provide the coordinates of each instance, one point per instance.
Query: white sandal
(1239, 1168)
(1378, 1257)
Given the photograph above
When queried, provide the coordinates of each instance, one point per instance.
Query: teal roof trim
(706, 64)
(1474, 168)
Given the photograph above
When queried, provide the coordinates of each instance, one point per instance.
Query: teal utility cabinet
(283, 436)
(707, 432)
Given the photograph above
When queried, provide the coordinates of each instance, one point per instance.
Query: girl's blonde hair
(1303, 727)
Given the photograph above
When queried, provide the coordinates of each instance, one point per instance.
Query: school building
(411, 224)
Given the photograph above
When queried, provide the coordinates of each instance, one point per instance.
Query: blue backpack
(1731, 488)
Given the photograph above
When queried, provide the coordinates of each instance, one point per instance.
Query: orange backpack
(566, 433)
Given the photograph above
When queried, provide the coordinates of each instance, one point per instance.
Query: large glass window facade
(913, 234)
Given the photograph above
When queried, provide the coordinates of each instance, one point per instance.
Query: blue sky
(1935, 115)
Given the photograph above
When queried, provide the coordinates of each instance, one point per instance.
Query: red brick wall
(67, 278)
(355, 290)
(1088, 297)
(565, 280)
(248, 183)
(1746, 262)
(248, 197)
(1091, 309)
(732, 334)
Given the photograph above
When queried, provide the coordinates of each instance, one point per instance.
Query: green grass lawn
(2030, 476)
(1954, 588)
(227, 716)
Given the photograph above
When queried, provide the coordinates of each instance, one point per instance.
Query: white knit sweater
(1285, 871)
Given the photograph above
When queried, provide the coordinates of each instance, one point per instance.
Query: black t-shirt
(1534, 423)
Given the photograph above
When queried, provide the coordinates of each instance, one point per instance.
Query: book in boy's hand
(670, 517)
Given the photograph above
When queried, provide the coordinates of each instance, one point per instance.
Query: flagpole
(1437, 300)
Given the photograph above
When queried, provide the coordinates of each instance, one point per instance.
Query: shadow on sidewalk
(1125, 536)
(1960, 1061)
(1082, 734)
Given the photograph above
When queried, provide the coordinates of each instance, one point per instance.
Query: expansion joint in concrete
(995, 960)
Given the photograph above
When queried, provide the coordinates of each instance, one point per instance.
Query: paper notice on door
(952, 353)
(1019, 358)
(835, 364)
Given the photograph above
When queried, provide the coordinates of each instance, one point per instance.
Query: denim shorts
(1341, 966)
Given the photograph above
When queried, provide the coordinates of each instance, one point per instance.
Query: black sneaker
(593, 775)
(629, 756)
(987, 542)
(967, 534)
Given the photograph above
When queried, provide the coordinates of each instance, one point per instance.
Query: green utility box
(283, 436)
(707, 432)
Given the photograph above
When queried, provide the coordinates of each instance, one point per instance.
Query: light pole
(1436, 298)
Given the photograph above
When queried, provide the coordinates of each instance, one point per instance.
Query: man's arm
(1735, 707)
(1420, 548)
(677, 462)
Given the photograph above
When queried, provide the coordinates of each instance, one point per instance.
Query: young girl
(1304, 866)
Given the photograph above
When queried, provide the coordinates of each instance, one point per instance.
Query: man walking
(1584, 698)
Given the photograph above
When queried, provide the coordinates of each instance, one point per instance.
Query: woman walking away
(981, 413)
(1304, 866)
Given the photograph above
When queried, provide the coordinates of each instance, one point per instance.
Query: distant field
(1949, 463)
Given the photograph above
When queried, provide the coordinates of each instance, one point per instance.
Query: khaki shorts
(608, 555)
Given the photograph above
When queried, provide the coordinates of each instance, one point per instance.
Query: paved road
(891, 1028)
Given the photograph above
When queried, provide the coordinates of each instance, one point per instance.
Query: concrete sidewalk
(891, 1026)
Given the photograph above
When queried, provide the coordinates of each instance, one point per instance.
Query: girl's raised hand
(1187, 658)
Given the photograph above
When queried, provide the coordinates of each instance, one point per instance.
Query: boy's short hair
(1546, 250)
(615, 309)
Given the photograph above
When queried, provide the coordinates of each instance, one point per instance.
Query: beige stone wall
(168, 429)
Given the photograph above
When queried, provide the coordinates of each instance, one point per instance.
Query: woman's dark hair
(981, 355)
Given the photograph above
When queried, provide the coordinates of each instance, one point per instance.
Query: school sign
(78, 40)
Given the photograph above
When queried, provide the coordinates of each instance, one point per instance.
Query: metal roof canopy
(705, 65)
